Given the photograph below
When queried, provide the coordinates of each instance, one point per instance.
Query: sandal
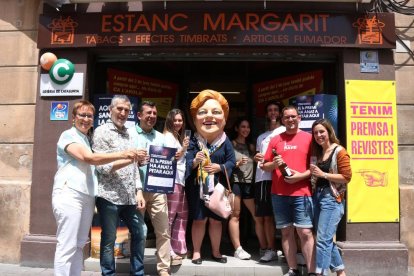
(176, 260)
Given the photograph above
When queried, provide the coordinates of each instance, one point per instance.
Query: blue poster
(59, 111)
(102, 115)
(161, 170)
(314, 107)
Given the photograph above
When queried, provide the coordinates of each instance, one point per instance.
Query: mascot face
(210, 120)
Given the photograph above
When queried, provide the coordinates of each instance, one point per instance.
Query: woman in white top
(177, 201)
(74, 189)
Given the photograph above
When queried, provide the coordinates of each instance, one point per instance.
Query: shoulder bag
(221, 200)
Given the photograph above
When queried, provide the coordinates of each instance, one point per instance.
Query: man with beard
(291, 195)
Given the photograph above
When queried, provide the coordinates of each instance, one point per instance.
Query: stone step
(209, 267)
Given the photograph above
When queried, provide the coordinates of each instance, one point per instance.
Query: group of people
(310, 201)
(108, 169)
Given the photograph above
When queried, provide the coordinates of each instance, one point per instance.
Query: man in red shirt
(291, 196)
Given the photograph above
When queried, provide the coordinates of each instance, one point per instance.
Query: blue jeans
(292, 210)
(109, 215)
(328, 213)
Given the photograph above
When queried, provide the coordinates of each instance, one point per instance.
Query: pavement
(233, 266)
(209, 267)
(15, 270)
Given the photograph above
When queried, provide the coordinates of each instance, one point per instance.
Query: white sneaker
(241, 254)
(292, 272)
(262, 252)
(270, 255)
(279, 253)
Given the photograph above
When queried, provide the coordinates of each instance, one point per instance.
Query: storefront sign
(49, 88)
(260, 28)
(373, 194)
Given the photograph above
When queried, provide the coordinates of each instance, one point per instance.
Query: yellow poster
(371, 123)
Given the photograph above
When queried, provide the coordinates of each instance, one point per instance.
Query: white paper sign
(73, 88)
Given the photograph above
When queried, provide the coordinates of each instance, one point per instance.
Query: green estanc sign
(62, 71)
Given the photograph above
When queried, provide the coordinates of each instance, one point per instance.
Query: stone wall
(404, 73)
(18, 78)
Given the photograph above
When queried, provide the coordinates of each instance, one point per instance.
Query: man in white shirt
(265, 225)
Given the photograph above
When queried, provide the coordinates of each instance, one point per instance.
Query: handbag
(221, 200)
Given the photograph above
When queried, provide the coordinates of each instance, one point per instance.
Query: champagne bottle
(283, 168)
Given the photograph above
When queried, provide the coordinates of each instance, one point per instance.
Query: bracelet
(325, 175)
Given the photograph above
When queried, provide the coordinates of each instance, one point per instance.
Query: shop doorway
(235, 77)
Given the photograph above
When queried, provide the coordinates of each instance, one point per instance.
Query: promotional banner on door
(163, 93)
(282, 89)
(372, 144)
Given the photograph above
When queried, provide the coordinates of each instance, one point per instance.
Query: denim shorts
(293, 210)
